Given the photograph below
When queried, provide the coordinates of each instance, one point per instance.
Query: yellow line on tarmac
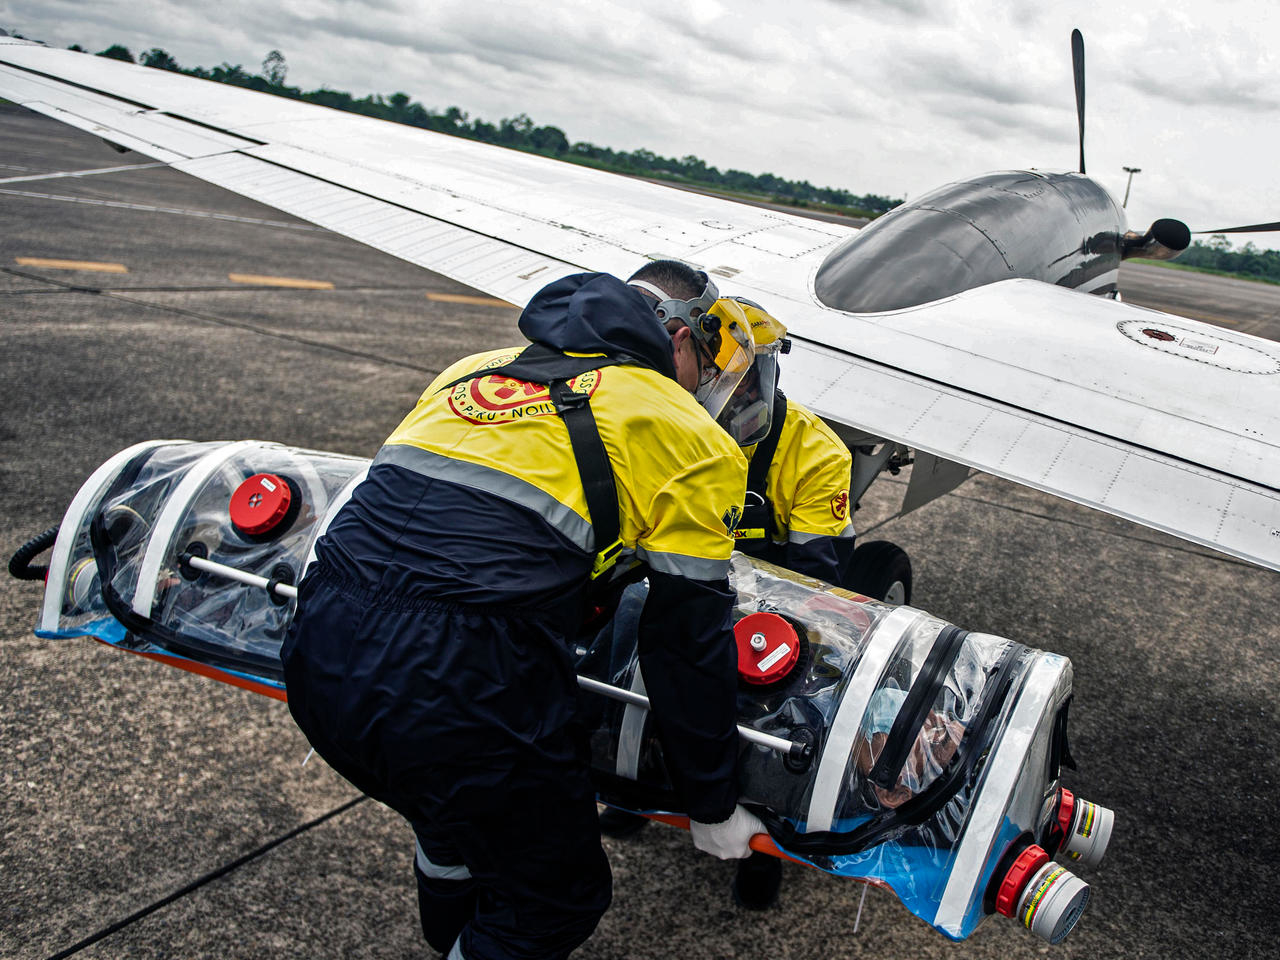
(94, 265)
(262, 281)
(474, 301)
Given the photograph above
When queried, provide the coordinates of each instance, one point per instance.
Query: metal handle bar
(780, 744)
(231, 573)
(794, 749)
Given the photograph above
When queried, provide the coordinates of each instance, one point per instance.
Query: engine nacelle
(1060, 228)
(1165, 239)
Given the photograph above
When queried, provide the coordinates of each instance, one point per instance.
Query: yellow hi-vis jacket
(679, 477)
(476, 502)
(807, 484)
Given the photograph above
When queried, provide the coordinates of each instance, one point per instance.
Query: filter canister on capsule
(1089, 832)
(1052, 901)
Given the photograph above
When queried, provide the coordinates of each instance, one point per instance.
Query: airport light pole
(1130, 171)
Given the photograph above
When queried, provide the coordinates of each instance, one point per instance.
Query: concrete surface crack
(201, 881)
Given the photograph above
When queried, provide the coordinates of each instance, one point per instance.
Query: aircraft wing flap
(123, 122)
(1067, 460)
(577, 238)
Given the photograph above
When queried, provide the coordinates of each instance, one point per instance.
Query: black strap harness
(757, 528)
(543, 365)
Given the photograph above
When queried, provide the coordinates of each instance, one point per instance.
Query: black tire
(880, 570)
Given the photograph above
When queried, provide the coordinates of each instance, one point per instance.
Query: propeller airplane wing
(1012, 369)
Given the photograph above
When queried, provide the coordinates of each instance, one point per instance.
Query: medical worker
(796, 514)
(797, 508)
(428, 662)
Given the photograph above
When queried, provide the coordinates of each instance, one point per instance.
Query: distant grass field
(1169, 265)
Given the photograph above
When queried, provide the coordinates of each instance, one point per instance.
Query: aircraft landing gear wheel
(881, 570)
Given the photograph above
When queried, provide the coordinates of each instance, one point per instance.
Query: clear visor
(732, 360)
(748, 414)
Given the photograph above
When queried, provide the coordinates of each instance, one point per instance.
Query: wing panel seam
(78, 86)
(209, 126)
(401, 206)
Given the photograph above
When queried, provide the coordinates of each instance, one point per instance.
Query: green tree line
(1217, 255)
(521, 133)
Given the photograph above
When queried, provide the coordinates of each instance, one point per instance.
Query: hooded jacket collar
(598, 313)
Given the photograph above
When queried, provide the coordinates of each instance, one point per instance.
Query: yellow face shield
(748, 413)
(730, 352)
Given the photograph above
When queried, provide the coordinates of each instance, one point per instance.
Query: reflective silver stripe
(679, 565)
(455, 953)
(796, 536)
(56, 585)
(994, 792)
(489, 480)
(161, 533)
(434, 870)
(337, 503)
(629, 734)
(838, 750)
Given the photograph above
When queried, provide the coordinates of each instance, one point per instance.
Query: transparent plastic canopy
(932, 752)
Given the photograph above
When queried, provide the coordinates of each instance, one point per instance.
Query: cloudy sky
(878, 96)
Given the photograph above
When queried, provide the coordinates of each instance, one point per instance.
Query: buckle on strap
(566, 399)
(606, 558)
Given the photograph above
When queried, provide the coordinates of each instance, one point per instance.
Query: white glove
(730, 840)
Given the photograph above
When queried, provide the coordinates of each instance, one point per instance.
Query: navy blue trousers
(462, 720)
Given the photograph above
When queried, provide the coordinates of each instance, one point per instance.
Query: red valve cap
(1066, 808)
(767, 647)
(260, 503)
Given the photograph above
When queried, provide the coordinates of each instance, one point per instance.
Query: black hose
(20, 563)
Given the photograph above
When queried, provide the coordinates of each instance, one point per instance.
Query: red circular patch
(497, 398)
(840, 505)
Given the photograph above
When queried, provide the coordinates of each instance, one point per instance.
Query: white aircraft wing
(1164, 420)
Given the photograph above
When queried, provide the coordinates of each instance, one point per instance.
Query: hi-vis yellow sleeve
(691, 519)
(809, 478)
(681, 479)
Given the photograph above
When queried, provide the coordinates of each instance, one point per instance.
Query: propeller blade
(1077, 65)
(1255, 228)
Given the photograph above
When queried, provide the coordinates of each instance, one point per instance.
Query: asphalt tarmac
(127, 783)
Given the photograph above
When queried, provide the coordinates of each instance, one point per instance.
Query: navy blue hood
(598, 313)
